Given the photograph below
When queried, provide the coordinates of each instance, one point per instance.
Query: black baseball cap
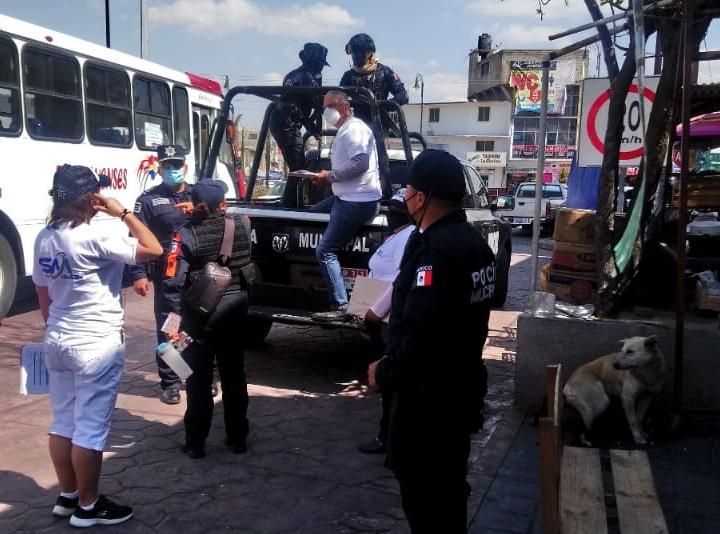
(73, 181)
(210, 191)
(314, 51)
(438, 173)
(170, 152)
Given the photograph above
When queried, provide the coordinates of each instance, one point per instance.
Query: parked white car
(519, 210)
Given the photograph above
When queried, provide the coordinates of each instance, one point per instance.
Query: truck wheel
(8, 276)
(502, 275)
(256, 329)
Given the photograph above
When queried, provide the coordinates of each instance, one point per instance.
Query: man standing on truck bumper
(157, 209)
(355, 181)
(433, 367)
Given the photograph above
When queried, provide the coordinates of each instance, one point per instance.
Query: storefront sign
(594, 121)
(551, 151)
(487, 159)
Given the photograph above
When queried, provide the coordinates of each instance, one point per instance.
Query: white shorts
(85, 374)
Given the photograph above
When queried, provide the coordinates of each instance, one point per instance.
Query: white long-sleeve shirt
(385, 265)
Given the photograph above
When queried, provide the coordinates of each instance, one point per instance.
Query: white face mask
(331, 116)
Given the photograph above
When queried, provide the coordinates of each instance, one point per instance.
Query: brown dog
(637, 369)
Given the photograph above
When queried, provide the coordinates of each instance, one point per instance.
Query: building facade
(514, 76)
(476, 131)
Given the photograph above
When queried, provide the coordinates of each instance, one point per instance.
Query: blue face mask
(173, 177)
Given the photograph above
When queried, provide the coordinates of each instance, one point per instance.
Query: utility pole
(107, 23)
(144, 30)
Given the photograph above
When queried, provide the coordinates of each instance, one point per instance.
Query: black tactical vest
(208, 237)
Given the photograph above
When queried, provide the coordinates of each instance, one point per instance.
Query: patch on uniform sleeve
(160, 201)
(137, 208)
(424, 276)
(483, 282)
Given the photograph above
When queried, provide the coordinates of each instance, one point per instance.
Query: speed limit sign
(594, 120)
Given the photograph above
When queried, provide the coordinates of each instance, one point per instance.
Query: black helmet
(361, 42)
(314, 52)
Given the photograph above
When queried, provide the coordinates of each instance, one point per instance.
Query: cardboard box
(574, 256)
(575, 226)
(577, 291)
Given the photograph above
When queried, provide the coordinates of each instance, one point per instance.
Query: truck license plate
(350, 274)
(521, 220)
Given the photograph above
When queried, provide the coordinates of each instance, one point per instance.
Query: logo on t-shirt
(58, 267)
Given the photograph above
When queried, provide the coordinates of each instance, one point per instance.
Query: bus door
(202, 122)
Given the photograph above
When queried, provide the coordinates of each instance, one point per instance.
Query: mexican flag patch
(424, 276)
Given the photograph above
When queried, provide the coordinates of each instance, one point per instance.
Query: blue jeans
(346, 219)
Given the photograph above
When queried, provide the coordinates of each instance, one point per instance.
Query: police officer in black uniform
(290, 115)
(219, 336)
(368, 72)
(157, 209)
(438, 325)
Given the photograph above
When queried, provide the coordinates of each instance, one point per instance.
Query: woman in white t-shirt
(77, 271)
(384, 265)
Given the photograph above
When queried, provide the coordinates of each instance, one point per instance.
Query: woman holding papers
(384, 265)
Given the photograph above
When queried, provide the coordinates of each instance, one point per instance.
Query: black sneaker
(171, 395)
(331, 316)
(193, 451)
(105, 512)
(372, 447)
(237, 447)
(65, 506)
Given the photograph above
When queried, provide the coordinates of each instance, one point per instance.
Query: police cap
(209, 191)
(361, 42)
(314, 51)
(170, 152)
(73, 181)
(438, 173)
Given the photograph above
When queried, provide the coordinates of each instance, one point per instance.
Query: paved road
(309, 410)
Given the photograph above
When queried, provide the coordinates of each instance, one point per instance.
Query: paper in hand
(303, 174)
(171, 325)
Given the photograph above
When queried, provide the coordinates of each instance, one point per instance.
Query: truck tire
(502, 276)
(256, 329)
(8, 276)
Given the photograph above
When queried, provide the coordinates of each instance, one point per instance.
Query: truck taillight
(548, 210)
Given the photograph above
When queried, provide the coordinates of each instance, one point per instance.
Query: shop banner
(526, 79)
(487, 159)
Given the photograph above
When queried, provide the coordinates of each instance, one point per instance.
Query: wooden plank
(638, 506)
(582, 499)
(549, 475)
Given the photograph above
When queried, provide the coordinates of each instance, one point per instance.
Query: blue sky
(256, 41)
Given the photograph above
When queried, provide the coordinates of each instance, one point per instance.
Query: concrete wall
(460, 118)
(574, 342)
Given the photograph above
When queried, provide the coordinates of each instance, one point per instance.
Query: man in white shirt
(355, 182)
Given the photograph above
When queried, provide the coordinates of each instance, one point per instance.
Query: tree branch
(605, 38)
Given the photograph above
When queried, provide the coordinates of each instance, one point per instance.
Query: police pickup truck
(289, 286)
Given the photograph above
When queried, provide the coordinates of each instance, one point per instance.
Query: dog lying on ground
(632, 375)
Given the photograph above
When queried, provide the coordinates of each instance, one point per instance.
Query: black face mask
(359, 58)
(314, 66)
(397, 219)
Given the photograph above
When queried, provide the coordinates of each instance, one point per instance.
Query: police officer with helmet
(290, 115)
(433, 363)
(156, 208)
(368, 72)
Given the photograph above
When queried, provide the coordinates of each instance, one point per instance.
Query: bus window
(152, 113)
(53, 102)
(204, 136)
(181, 119)
(196, 142)
(10, 114)
(107, 106)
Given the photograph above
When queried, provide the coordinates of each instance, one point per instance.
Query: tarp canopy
(583, 184)
(707, 125)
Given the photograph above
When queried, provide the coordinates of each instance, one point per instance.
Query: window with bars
(484, 146)
(483, 113)
(434, 115)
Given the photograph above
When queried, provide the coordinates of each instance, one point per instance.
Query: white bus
(65, 100)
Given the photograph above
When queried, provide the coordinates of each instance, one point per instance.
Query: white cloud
(432, 64)
(214, 17)
(556, 9)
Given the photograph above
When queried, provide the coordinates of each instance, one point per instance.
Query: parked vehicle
(65, 100)
(519, 210)
(289, 286)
